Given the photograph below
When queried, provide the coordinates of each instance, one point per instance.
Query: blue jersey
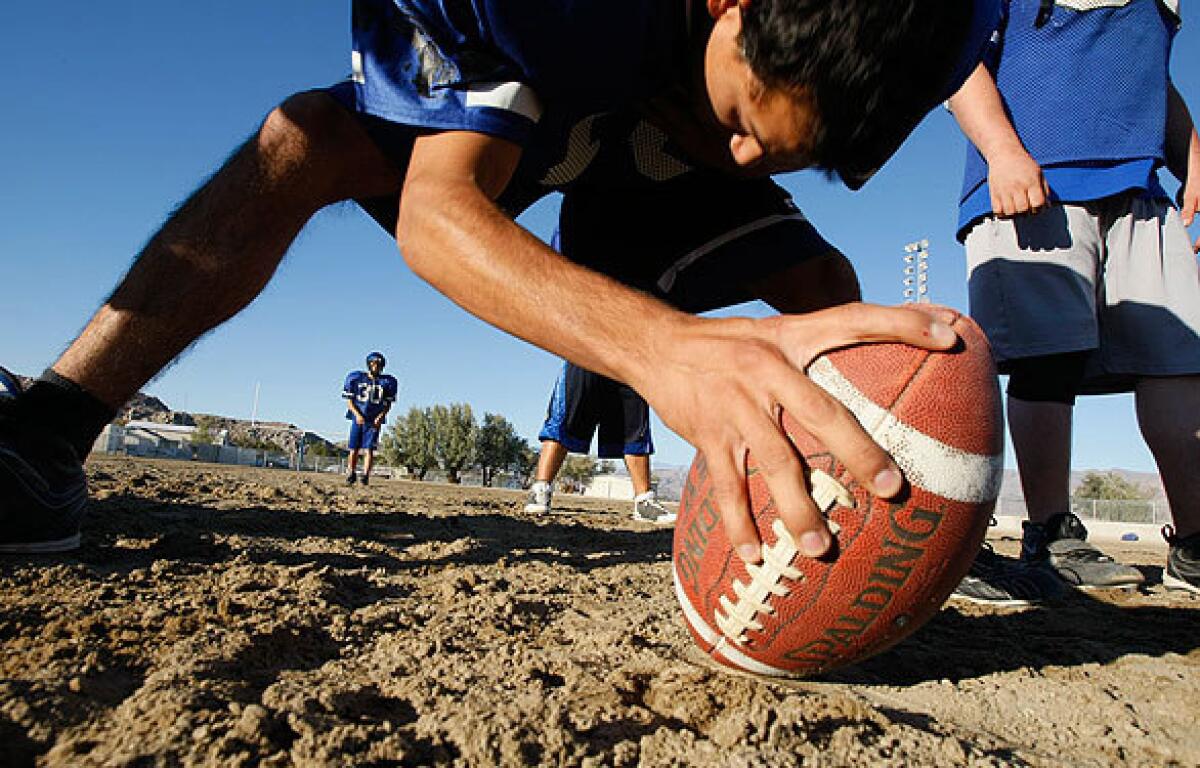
(370, 395)
(1086, 91)
(508, 67)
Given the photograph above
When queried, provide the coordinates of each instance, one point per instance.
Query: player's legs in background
(368, 462)
(1041, 435)
(1168, 412)
(352, 467)
(550, 460)
(639, 472)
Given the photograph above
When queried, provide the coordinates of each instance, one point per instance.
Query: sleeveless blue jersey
(1087, 94)
(370, 396)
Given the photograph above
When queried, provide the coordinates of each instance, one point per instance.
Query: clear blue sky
(115, 111)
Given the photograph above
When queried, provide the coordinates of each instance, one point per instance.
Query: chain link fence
(1104, 510)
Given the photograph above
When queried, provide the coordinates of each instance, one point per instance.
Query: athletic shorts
(1116, 277)
(583, 401)
(363, 437)
(697, 239)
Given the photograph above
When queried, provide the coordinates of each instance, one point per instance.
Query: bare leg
(1041, 435)
(1168, 411)
(639, 472)
(550, 461)
(217, 252)
(352, 462)
(368, 460)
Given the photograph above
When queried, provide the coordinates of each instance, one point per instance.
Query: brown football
(894, 562)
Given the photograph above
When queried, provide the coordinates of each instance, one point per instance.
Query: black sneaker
(43, 488)
(365, 479)
(351, 479)
(1183, 561)
(1063, 539)
(998, 580)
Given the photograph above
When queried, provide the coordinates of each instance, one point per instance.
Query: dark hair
(874, 68)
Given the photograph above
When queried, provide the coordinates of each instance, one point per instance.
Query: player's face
(375, 366)
(769, 130)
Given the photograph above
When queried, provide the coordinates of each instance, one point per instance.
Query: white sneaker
(648, 509)
(539, 498)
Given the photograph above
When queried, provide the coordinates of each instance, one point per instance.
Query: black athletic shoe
(43, 489)
(351, 479)
(1183, 561)
(365, 480)
(998, 580)
(1063, 539)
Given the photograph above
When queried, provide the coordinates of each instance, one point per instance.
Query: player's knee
(302, 128)
(1047, 378)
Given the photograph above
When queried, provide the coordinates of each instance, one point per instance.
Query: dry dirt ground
(226, 616)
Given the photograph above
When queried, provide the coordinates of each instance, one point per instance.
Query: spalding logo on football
(894, 562)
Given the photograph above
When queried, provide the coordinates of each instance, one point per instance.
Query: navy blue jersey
(370, 396)
(508, 67)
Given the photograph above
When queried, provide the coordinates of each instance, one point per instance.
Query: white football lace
(735, 618)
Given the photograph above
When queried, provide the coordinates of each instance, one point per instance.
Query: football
(894, 561)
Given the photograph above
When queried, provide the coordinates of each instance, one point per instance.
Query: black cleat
(43, 488)
(998, 580)
(1063, 540)
(351, 479)
(1183, 562)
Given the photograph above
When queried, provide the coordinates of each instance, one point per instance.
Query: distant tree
(205, 433)
(411, 443)
(455, 436)
(606, 467)
(497, 446)
(1112, 487)
(256, 443)
(577, 471)
(526, 463)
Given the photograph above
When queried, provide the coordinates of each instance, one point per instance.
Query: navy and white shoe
(43, 488)
(998, 580)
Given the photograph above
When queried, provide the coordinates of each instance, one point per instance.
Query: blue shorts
(583, 401)
(363, 436)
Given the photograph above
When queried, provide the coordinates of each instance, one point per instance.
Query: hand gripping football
(893, 562)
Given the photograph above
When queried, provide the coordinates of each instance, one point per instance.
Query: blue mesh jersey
(370, 395)
(505, 67)
(1086, 89)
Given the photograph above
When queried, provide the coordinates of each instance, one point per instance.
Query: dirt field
(225, 616)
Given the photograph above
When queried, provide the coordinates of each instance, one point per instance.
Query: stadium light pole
(916, 272)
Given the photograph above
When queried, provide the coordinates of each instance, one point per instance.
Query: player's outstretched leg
(210, 259)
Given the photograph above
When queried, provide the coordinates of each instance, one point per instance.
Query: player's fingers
(1037, 199)
(786, 478)
(804, 337)
(728, 471)
(821, 414)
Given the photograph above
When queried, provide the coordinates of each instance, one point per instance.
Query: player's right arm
(1014, 178)
(719, 383)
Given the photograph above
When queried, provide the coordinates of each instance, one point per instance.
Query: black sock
(66, 409)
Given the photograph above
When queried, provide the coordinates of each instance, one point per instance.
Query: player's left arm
(390, 390)
(1183, 156)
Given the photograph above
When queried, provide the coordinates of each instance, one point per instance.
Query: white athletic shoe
(539, 498)
(648, 509)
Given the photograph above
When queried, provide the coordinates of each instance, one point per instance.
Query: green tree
(205, 433)
(1110, 486)
(525, 464)
(578, 471)
(411, 443)
(455, 436)
(497, 446)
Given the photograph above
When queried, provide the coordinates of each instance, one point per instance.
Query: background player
(369, 396)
